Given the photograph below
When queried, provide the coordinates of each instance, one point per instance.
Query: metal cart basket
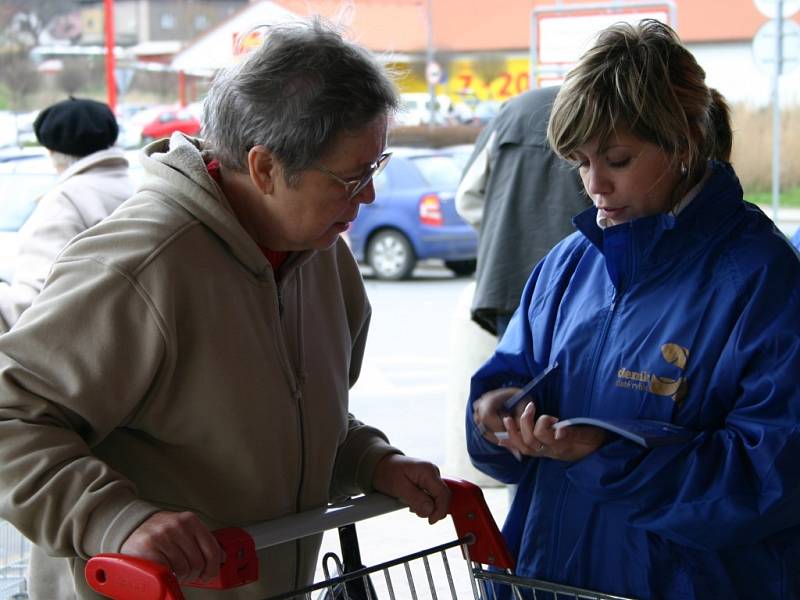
(476, 564)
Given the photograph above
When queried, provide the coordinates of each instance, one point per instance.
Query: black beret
(76, 126)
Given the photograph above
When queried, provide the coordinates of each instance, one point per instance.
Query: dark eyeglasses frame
(354, 187)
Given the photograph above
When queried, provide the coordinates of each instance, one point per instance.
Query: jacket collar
(176, 170)
(647, 242)
(106, 158)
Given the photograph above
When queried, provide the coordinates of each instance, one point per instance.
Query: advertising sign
(560, 34)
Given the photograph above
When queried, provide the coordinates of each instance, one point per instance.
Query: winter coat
(163, 367)
(692, 320)
(522, 202)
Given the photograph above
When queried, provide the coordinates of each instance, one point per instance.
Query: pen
(531, 387)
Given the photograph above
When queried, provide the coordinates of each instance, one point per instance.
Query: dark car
(414, 215)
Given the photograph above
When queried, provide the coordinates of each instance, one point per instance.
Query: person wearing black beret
(76, 127)
(93, 180)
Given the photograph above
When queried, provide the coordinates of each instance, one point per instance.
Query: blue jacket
(796, 239)
(692, 319)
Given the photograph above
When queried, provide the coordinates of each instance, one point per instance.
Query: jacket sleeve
(53, 223)
(739, 482)
(73, 369)
(471, 192)
(511, 365)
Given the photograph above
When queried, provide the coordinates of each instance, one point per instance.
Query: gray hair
(295, 94)
(62, 161)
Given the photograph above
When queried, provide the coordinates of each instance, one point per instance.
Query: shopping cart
(480, 541)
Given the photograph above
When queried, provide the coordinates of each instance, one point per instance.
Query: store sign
(770, 7)
(561, 34)
(433, 72)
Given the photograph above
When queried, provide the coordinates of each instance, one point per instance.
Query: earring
(684, 169)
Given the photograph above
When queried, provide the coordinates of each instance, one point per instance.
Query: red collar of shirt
(275, 257)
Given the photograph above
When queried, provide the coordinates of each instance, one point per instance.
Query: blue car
(414, 215)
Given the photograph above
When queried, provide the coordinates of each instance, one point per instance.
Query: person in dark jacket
(676, 302)
(521, 197)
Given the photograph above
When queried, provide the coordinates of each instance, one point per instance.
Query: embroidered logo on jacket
(676, 389)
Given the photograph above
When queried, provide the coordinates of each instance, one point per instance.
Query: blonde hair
(641, 78)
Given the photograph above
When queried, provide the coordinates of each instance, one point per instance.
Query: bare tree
(20, 77)
(73, 76)
(21, 25)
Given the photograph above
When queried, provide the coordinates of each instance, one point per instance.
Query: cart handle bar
(124, 577)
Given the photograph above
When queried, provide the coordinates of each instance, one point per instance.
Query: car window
(461, 156)
(439, 171)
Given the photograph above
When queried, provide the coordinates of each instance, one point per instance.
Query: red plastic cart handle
(471, 516)
(126, 578)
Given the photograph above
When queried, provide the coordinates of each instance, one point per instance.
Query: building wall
(185, 20)
(138, 21)
(730, 68)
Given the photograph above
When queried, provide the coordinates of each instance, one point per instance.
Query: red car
(173, 119)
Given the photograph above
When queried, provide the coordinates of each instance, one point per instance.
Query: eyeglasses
(354, 187)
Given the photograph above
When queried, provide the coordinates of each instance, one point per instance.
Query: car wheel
(390, 255)
(462, 268)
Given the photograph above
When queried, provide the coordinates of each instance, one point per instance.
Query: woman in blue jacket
(676, 301)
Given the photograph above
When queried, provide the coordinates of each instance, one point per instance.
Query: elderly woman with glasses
(187, 365)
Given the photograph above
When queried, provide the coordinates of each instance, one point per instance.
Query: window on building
(167, 21)
(200, 22)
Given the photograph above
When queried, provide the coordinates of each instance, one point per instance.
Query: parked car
(415, 109)
(169, 121)
(414, 215)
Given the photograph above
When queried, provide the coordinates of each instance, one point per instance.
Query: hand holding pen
(492, 409)
(504, 418)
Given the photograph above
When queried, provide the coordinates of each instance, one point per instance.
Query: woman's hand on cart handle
(417, 483)
(179, 540)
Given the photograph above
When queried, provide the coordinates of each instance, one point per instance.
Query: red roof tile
(480, 25)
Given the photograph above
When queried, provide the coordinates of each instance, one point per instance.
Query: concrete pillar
(470, 347)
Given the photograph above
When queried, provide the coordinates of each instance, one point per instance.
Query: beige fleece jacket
(162, 367)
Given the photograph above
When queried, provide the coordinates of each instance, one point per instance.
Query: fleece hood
(175, 169)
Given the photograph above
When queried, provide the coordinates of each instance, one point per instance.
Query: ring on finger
(540, 447)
